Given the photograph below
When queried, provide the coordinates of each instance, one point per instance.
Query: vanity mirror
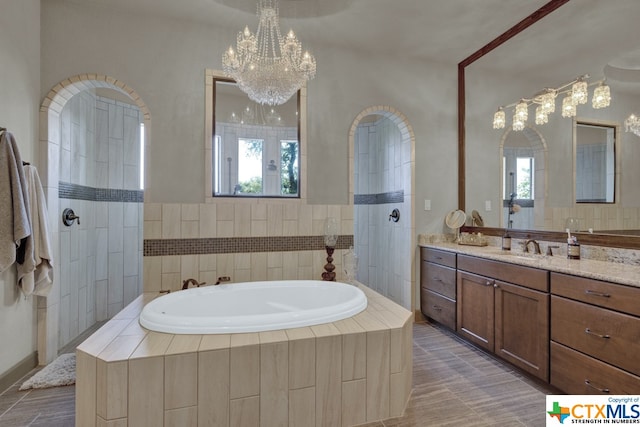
(565, 40)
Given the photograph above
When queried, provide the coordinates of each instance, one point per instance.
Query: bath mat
(61, 371)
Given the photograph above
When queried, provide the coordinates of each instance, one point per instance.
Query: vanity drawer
(604, 334)
(439, 257)
(439, 308)
(609, 295)
(439, 279)
(529, 277)
(576, 373)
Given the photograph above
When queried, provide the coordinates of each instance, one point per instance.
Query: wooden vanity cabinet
(438, 286)
(595, 333)
(504, 308)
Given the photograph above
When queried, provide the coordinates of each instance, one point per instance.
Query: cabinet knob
(495, 285)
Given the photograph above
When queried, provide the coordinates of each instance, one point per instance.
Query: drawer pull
(596, 293)
(437, 279)
(588, 331)
(601, 390)
(439, 258)
(437, 307)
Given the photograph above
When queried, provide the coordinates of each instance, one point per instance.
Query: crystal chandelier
(632, 124)
(266, 66)
(576, 92)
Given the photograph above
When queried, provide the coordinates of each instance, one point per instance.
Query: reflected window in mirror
(595, 163)
(256, 148)
(518, 180)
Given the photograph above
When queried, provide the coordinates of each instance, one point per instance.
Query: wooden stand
(329, 275)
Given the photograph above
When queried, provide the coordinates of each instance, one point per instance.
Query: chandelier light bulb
(579, 92)
(499, 119)
(568, 107)
(601, 97)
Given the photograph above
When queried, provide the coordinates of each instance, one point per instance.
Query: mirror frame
(609, 240)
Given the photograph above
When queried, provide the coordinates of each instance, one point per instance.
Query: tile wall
(290, 223)
(100, 258)
(382, 182)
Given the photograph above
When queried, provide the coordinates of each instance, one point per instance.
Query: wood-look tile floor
(455, 384)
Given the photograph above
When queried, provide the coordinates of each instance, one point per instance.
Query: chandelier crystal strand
(548, 101)
(601, 96)
(517, 123)
(269, 68)
(522, 111)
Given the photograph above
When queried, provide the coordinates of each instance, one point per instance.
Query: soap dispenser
(506, 241)
(573, 247)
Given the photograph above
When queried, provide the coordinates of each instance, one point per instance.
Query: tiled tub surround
(220, 239)
(344, 373)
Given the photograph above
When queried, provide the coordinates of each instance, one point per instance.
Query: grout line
(16, 402)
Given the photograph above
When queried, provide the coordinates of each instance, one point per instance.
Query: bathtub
(252, 307)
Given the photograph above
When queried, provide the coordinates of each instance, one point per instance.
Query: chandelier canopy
(576, 93)
(269, 68)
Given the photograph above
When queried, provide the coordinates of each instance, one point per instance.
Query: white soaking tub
(252, 307)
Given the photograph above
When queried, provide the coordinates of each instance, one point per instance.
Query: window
(256, 148)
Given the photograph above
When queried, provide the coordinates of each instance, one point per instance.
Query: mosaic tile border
(379, 199)
(67, 190)
(228, 245)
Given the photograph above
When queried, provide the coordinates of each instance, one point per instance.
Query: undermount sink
(521, 255)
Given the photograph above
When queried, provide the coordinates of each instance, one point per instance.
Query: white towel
(39, 280)
(14, 219)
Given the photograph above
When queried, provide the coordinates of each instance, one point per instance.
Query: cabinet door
(522, 328)
(475, 306)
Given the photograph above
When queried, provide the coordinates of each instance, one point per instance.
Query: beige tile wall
(239, 218)
(597, 217)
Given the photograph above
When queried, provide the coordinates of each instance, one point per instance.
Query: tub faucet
(194, 282)
(536, 246)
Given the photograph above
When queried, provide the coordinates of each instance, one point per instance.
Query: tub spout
(222, 279)
(194, 282)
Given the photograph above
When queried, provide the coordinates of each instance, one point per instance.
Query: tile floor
(455, 384)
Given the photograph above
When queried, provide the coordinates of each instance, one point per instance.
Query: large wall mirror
(256, 148)
(589, 37)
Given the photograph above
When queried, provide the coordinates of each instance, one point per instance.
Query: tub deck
(343, 373)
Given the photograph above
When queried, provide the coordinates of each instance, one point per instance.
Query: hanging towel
(14, 220)
(40, 278)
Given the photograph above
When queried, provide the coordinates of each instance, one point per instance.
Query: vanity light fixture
(601, 96)
(576, 92)
(268, 67)
(632, 124)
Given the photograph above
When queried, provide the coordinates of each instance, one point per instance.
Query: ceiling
(582, 34)
(443, 30)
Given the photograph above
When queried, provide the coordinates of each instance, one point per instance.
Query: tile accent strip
(524, 203)
(227, 245)
(379, 199)
(80, 192)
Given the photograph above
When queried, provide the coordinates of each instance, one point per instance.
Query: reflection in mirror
(595, 162)
(256, 148)
(523, 160)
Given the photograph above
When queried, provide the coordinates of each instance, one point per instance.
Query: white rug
(61, 371)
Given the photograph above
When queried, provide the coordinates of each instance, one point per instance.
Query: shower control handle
(395, 215)
(68, 216)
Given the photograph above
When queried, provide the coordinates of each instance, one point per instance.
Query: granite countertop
(593, 269)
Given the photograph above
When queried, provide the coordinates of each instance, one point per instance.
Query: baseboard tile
(18, 371)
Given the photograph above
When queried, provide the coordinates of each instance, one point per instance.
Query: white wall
(164, 61)
(19, 103)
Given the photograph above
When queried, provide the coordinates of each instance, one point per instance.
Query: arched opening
(381, 155)
(94, 132)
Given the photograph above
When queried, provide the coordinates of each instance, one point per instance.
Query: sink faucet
(536, 246)
(194, 282)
